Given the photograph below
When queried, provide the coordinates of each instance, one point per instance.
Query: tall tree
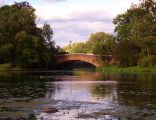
(47, 34)
(138, 25)
(21, 42)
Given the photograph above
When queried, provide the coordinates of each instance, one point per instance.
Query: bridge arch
(88, 58)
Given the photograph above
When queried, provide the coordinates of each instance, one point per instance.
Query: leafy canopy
(21, 41)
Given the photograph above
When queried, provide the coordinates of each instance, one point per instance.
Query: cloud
(76, 21)
(77, 26)
(2, 2)
(91, 16)
(77, 31)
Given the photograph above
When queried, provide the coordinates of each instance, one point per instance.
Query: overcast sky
(75, 20)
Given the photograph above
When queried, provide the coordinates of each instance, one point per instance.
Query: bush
(127, 53)
(148, 61)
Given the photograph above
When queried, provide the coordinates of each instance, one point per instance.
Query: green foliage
(138, 25)
(6, 52)
(47, 34)
(133, 69)
(127, 53)
(28, 58)
(148, 61)
(101, 44)
(78, 47)
(5, 66)
(21, 42)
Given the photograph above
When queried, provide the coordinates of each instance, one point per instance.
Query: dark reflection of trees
(23, 85)
(20, 93)
(137, 90)
(132, 89)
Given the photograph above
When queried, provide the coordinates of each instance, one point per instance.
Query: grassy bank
(9, 66)
(135, 69)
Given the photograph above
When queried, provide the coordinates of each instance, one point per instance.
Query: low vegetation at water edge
(134, 69)
(9, 66)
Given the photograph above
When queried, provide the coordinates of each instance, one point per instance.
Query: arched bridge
(95, 60)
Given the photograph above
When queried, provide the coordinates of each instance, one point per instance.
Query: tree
(138, 25)
(127, 53)
(21, 41)
(101, 44)
(47, 34)
(79, 47)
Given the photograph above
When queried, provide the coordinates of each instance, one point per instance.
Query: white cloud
(78, 31)
(75, 22)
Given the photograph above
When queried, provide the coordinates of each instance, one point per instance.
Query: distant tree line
(22, 43)
(98, 43)
(134, 39)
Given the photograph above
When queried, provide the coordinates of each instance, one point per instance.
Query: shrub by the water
(148, 61)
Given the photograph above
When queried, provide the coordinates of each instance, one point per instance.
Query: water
(77, 95)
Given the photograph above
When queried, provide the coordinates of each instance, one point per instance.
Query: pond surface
(77, 95)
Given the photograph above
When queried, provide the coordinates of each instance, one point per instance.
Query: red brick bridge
(95, 60)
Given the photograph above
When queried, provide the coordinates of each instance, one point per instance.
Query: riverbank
(135, 69)
(9, 66)
(107, 69)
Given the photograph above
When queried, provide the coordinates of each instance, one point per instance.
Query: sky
(74, 20)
